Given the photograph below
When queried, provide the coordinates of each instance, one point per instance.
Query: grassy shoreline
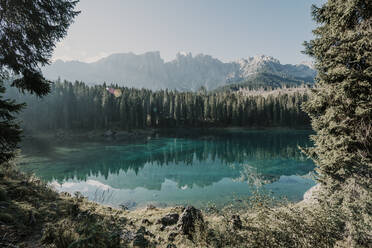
(34, 215)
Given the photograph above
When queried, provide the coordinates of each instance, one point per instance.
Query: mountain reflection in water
(176, 169)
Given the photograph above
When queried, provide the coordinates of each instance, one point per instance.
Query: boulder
(190, 218)
(139, 238)
(169, 219)
(236, 222)
(140, 241)
(144, 231)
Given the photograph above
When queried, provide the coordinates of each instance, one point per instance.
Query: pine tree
(9, 129)
(340, 109)
(29, 31)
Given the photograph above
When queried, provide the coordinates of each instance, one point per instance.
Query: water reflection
(178, 170)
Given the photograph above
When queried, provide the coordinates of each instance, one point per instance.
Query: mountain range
(185, 72)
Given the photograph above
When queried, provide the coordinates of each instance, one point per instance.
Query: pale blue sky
(225, 29)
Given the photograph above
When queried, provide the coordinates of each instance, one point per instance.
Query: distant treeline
(78, 106)
(267, 81)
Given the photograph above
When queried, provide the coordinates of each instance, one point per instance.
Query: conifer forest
(78, 106)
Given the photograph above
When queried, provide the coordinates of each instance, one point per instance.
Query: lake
(176, 169)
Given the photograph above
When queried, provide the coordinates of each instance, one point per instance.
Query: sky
(225, 29)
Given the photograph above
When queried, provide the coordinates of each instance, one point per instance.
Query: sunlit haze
(225, 29)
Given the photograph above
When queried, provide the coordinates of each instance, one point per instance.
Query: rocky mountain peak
(183, 54)
(185, 72)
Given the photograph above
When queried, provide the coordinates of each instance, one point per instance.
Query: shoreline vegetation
(35, 215)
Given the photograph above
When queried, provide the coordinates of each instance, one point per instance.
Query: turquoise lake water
(167, 170)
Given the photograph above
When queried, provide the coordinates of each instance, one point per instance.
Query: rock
(171, 236)
(139, 238)
(169, 219)
(140, 241)
(144, 231)
(146, 222)
(236, 222)
(212, 238)
(188, 220)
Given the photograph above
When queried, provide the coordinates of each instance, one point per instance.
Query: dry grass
(33, 215)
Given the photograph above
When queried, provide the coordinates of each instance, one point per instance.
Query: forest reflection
(257, 157)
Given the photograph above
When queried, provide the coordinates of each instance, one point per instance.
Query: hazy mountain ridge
(185, 72)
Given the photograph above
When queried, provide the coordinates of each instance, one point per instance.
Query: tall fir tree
(340, 109)
(28, 33)
(10, 132)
